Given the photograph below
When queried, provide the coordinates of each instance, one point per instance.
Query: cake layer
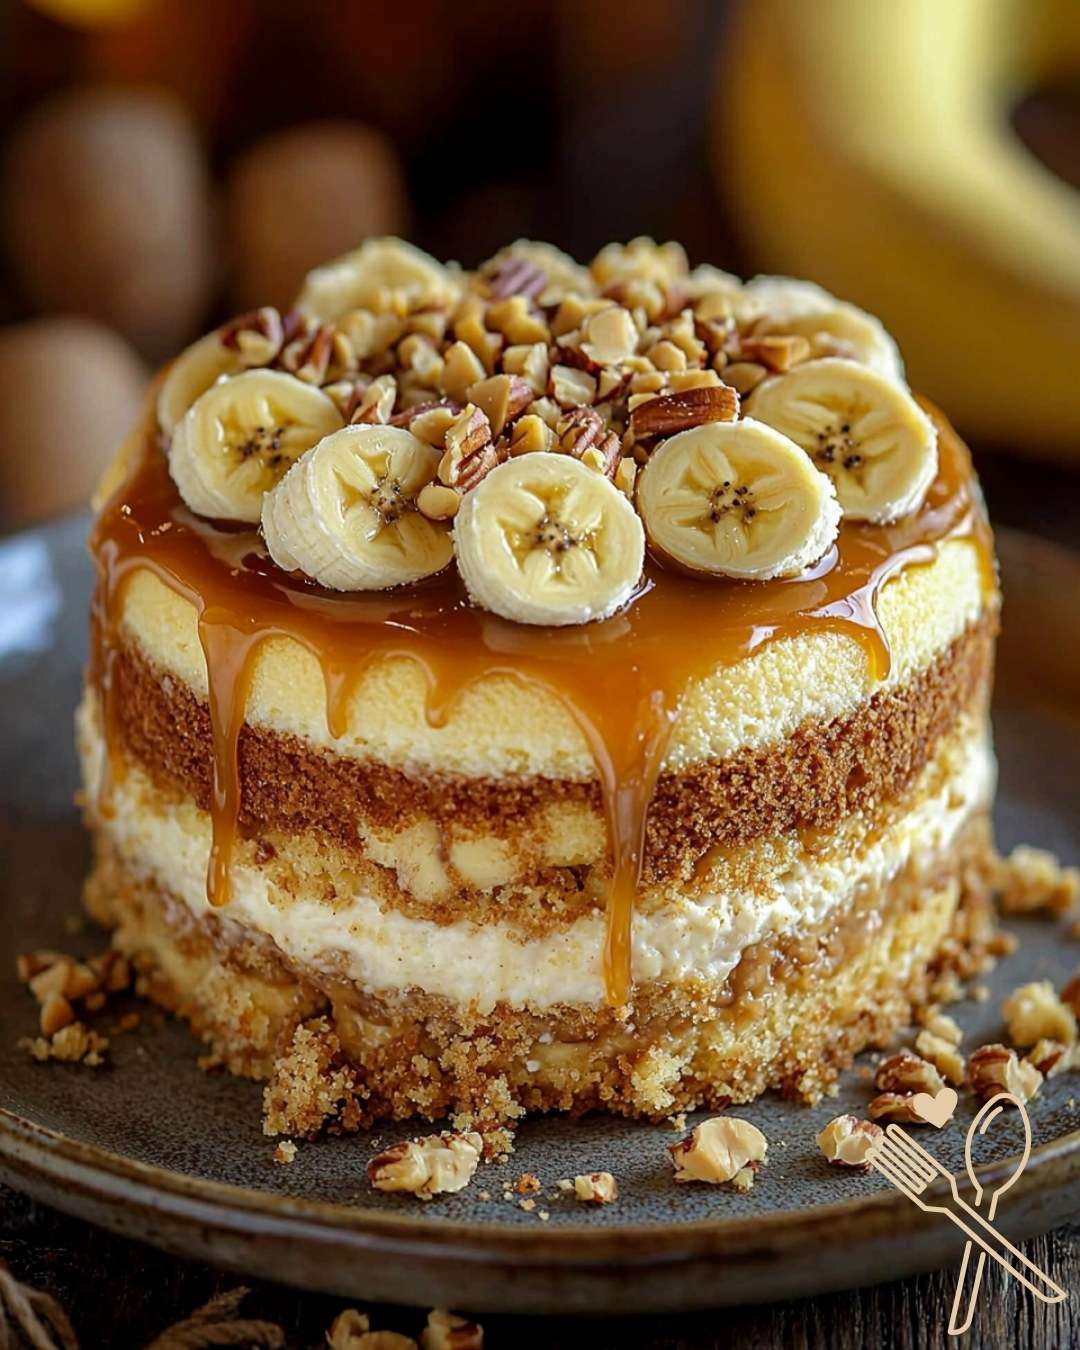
(791, 1016)
(437, 840)
(322, 913)
(499, 726)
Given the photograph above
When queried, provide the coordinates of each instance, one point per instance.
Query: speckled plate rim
(501, 1267)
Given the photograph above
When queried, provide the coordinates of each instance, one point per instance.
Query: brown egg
(107, 214)
(302, 197)
(70, 391)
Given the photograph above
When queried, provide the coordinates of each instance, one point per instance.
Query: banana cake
(542, 687)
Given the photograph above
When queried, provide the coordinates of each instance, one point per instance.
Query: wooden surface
(121, 1295)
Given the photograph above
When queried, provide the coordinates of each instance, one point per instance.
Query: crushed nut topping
(430, 1166)
(717, 1149)
(596, 1188)
(995, 1068)
(1051, 1057)
(668, 414)
(846, 1141)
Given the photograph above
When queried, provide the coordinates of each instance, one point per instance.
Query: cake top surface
(540, 428)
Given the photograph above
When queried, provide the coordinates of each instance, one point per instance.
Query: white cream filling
(482, 964)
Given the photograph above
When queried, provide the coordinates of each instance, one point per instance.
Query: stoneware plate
(155, 1149)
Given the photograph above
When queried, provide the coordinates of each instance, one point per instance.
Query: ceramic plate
(158, 1150)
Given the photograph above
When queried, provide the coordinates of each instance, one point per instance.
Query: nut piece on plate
(446, 1331)
(895, 1106)
(1051, 1057)
(941, 1025)
(942, 1054)
(1033, 1012)
(596, 1188)
(995, 1068)
(433, 1165)
(717, 1150)
(1032, 879)
(906, 1074)
(847, 1140)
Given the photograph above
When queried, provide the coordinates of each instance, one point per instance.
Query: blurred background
(168, 162)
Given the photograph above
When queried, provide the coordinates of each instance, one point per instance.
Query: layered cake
(545, 687)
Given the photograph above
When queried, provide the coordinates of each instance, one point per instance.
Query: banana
(737, 499)
(381, 274)
(865, 431)
(240, 436)
(801, 307)
(545, 540)
(345, 513)
(192, 374)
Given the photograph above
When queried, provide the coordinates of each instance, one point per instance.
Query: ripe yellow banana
(868, 145)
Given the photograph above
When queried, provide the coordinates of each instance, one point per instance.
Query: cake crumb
(678, 1123)
(285, 1151)
(309, 1085)
(72, 1044)
(528, 1204)
(527, 1184)
(980, 993)
(210, 1063)
(743, 1179)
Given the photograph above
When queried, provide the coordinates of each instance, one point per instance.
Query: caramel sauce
(621, 680)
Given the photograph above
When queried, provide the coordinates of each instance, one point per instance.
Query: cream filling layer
(382, 950)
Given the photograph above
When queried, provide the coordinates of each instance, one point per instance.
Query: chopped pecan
(895, 1106)
(596, 1188)
(776, 352)
(1034, 1012)
(447, 1331)
(308, 355)
(257, 336)
(502, 398)
(428, 1166)
(517, 276)
(671, 413)
(995, 1068)
(1050, 1057)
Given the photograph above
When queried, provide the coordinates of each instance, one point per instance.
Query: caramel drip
(621, 680)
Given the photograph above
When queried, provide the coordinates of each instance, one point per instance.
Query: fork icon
(911, 1168)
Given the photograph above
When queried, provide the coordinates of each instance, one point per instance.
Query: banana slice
(240, 436)
(862, 429)
(345, 514)
(545, 540)
(192, 374)
(380, 274)
(803, 308)
(737, 499)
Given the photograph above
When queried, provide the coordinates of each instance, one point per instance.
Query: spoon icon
(971, 1266)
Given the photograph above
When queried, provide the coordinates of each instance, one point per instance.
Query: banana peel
(867, 145)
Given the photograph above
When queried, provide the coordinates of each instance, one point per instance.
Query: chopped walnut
(1034, 1012)
(905, 1073)
(1051, 1057)
(895, 1106)
(942, 1054)
(1032, 879)
(847, 1140)
(596, 1188)
(434, 1165)
(717, 1149)
(447, 1331)
(995, 1068)
(610, 336)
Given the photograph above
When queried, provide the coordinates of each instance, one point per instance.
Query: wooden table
(121, 1295)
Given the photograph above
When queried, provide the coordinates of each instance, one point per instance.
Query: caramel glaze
(621, 680)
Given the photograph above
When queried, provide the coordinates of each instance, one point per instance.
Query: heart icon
(936, 1110)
